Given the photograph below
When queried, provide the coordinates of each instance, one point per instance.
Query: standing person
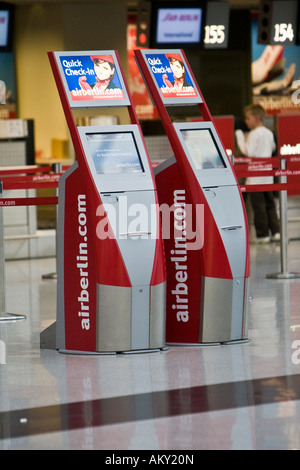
(260, 143)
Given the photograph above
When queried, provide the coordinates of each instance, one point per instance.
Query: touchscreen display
(114, 152)
(202, 149)
(92, 77)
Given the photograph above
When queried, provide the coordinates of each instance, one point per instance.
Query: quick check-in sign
(92, 79)
(171, 76)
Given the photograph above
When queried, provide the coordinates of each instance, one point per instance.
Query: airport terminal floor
(242, 396)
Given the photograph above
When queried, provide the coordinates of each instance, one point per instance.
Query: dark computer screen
(178, 23)
(202, 149)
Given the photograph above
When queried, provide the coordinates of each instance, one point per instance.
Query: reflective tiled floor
(243, 396)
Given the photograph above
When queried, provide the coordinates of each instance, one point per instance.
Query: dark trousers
(265, 214)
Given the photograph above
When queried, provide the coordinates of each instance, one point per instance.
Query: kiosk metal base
(85, 353)
(11, 317)
(48, 341)
(225, 343)
(194, 344)
(236, 341)
(110, 353)
(283, 276)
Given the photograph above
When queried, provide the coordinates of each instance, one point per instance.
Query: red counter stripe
(28, 201)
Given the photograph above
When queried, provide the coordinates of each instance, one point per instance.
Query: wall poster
(275, 75)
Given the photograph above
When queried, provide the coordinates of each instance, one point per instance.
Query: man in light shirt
(260, 143)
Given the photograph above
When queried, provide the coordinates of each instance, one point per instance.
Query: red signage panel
(288, 141)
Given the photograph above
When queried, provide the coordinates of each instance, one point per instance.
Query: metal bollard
(4, 317)
(284, 273)
(57, 169)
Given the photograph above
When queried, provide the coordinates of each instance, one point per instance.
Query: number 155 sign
(216, 25)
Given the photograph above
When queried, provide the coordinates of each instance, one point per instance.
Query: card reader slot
(231, 227)
(134, 234)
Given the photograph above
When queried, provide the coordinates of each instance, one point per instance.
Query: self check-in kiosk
(206, 248)
(111, 267)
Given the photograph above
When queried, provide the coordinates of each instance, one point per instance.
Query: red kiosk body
(207, 247)
(111, 266)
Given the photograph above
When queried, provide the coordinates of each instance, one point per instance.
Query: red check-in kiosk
(207, 248)
(111, 283)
